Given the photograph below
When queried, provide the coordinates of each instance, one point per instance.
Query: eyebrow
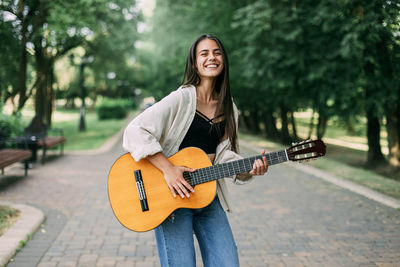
(206, 50)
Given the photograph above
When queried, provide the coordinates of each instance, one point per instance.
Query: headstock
(305, 150)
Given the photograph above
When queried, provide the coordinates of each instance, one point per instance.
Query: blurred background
(299, 69)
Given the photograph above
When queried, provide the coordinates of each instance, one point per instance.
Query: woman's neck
(205, 90)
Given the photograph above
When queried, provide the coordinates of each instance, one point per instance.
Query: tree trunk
(393, 132)
(311, 125)
(375, 155)
(270, 125)
(246, 119)
(42, 74)
(82, 125)
(41, 93)
(293, 124)
(254, 117)
(22, 68)
(50, 96)
(285, 136)
(322, 123)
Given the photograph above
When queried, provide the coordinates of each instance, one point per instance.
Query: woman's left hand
(260, 166)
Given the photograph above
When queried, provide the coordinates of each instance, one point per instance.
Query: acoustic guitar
(141, 199)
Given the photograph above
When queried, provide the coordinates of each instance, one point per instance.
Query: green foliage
(9, 45)
(11, 125)
(175, 25)
(113, 108)
(105, 30)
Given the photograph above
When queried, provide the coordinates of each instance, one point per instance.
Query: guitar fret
(227, 169)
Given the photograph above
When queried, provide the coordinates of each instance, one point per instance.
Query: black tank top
(204, 133)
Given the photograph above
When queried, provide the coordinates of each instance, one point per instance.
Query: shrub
(113, 108)
(10, 125)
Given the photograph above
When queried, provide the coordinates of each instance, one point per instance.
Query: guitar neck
(219, 171)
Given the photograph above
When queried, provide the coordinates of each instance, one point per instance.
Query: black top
(204, 133)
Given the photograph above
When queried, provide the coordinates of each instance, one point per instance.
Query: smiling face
(209, 59)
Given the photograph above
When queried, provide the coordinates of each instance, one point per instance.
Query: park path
(285, 218)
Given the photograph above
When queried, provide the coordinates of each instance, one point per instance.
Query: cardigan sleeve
(144, 134)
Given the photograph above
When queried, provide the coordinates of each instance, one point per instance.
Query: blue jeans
(175, 241)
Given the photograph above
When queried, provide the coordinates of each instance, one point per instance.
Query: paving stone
(285, 218)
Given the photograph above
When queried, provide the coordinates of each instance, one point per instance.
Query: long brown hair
(222, 86)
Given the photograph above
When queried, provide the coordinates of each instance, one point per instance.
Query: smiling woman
(199, 114)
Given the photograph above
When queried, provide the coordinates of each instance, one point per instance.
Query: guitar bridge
(141, 192)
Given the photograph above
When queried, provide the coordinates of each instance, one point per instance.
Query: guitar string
(218, 171)
(224, 170)
(235, 169)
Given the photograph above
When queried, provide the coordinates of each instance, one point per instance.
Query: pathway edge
(28, 222)
(338, 181)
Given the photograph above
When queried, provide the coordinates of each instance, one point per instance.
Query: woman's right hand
(176, 183)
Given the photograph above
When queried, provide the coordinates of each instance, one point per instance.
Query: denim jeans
(175, 240)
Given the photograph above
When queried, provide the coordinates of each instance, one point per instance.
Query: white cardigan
(162, 127)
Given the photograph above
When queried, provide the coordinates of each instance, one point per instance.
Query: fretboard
(219, 171)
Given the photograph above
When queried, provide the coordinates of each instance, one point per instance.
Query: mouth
(212, 66)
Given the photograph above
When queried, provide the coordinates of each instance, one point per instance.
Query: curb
(27, 224)
(359, 189)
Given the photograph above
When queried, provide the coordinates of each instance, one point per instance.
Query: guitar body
(124, 197)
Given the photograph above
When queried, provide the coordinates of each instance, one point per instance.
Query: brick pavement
(286, 218)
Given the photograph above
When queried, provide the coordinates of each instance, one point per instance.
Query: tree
(20, 24)
(52, 29)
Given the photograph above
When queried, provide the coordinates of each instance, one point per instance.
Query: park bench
(9, 156)
(38, 136)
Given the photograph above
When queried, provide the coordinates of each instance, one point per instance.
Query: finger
(178, 189)
(254, 170)
(260, 167)
(184, 182)
(265, 163)
(172, 190)
(188, 186)
(186, 169)
(183, 189)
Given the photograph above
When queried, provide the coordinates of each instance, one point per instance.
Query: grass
(7, 217)
(97, 131)
(343, 162)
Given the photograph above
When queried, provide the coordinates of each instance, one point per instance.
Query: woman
(180, 120)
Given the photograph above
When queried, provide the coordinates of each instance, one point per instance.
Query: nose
(211, 57)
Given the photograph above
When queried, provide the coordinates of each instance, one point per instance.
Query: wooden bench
(37, 134)
(10, 156)
(13, 150)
